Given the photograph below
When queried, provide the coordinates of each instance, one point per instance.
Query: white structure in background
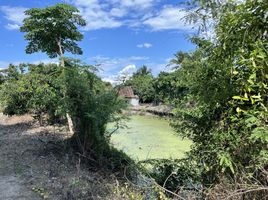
(128, 94)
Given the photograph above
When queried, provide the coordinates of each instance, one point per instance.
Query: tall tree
(144, 70)
(178, 60)
(53, 30)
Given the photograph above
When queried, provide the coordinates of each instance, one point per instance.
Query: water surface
(148, 137)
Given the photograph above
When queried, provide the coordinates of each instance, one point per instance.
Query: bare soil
(34, 164)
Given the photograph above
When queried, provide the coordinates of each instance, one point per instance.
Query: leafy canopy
(227, 85)
(142, 84)
(224, 106)
(36, 92)
(53, 30)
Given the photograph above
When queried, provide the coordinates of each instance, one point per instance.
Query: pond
(148, 137)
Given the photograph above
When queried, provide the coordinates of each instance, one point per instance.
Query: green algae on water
(148, 137)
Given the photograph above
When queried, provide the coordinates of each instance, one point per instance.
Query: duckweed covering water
(148, 137)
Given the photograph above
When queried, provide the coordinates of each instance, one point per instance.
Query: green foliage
(13, 98)
(72, 90)
(91, 104)
(53, 30)
(41, 192)
(219, 91)
(2, 76)
(174, 174)
(172, 87)
(180, 57)
(51, 90)
(224, 110)
(36, 92)
(142, 84)
(143, 71)
(168, 87)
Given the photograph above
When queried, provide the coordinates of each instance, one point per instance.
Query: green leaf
(235, 72)
(256, 96)
(260, 133)
(237, 97)
(226, 162)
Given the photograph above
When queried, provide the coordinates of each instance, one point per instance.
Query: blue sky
(121, 35)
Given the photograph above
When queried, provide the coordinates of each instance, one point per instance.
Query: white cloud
(12, 26)
(169, 18)
(144, 45)
(137, 3)
(117, 12)
(110, 68)
(114, 70)
(129, 70)
(3, 64)
(159, 67)
(112, 13)
(126, 73)
(110, 64)
(96, 15)
(101, 14)
(123, 75)
(97, 18)
(111, 79)
(14, 15)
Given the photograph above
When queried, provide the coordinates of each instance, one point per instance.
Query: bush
(224, 109)
(36, 92)
(174, 175)
(91, 105)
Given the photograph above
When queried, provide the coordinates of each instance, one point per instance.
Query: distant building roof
(127, 92)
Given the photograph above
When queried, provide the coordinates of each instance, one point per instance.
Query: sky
(121, 35)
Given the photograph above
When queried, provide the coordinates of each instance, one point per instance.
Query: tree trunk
(62, 64)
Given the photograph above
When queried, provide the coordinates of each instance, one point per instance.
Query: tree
(179, 58)
(144, 70)
(227, 82)
(53, 30)
(2, 75)
(224, 110)
(2, 78)
(88, 104)
(142, 84)
(169, 86)
(43, 90)
(92, 105)
(36, 92)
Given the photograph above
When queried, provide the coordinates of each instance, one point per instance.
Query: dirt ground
(35, 165)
